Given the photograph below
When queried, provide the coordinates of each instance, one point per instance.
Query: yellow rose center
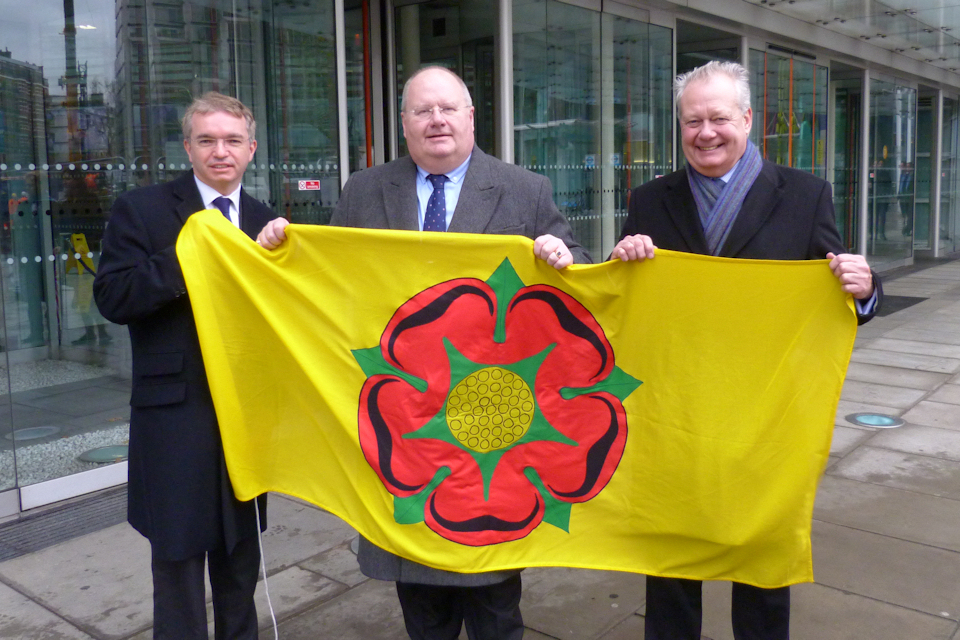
(490, 409)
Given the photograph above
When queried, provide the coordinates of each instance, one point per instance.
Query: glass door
(893, 123)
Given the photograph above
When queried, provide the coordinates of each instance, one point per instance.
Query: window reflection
(91, 95)
(592, 110)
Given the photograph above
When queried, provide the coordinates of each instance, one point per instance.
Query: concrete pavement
(886, 533)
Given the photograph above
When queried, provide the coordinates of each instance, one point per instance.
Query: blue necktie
(435, 217)
(223, 203)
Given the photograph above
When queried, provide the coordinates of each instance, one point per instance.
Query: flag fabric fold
(462, 404)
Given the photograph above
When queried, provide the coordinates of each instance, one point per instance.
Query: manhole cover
(115, 453)
(32, 433)
(875, 420)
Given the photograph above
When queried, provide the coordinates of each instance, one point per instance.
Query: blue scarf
(719, 204)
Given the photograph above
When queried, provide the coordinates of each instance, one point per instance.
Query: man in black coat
(180, 496)
(729, 202)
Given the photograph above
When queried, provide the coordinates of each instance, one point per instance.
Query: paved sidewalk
(886, 534)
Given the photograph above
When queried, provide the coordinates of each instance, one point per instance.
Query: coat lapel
(185, 190)
(760, 202)
(400, 196)
(679, 203)
(478, 196)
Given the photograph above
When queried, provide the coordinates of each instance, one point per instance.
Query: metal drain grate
(34, 532)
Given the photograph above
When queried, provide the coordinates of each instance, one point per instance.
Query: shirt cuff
(865, 307)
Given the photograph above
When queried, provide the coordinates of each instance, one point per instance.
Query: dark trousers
(674, 611)
(437, 613)
(179, 610)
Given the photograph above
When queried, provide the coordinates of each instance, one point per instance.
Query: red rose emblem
(492, 406)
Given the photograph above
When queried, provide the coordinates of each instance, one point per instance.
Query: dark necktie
(223, 203)
(435, 217)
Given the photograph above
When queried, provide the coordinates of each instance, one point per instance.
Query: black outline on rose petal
(597, 455)
(433, 311)
(568, 321)
(384, 442)
(484, 523)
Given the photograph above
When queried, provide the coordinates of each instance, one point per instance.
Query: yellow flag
(462, 404)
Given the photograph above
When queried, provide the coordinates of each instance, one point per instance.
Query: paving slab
(298, 531)
(822, 613)
(895, 376)
(897, 513)
(934, 414)
(906, 360)
(927, 441)
(339, 563)
(629, 629)
(100, 581)
(571, 604)
(919, 348)
(948, 393)
(887, 569)
(845, 439)
(924, 335)
(20, 617)
(291, 591)
(881, 394)
(923, 474)
(369, 611)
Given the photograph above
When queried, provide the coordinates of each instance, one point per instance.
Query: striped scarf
(719, 204)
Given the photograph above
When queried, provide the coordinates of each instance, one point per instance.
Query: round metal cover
(115, 453)
(875, 420)
(32, 433)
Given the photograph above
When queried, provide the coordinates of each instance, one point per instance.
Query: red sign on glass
(309, 185)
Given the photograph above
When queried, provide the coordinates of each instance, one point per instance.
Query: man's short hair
(733, 70)
(463, 85)
(213, 102)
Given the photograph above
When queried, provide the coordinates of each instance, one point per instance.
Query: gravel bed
(48, 460)
(46, 373)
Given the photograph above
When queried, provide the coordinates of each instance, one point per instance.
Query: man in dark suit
(448, 184)
(729, 202)
(180, 496)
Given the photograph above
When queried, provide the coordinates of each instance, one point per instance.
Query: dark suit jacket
(787, 215)
(180, 497)
(496, 197)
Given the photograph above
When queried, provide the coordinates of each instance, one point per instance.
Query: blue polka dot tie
(435, 217)
(223, 203)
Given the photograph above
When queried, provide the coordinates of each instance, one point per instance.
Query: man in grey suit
(448, 184)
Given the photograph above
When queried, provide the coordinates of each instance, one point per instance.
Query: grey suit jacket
(497, 198)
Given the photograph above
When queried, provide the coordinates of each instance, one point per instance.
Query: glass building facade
(91, 95)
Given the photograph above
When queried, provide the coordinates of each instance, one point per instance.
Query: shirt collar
(208, 194)
(455, 176)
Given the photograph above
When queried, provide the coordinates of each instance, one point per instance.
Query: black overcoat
(180, 496)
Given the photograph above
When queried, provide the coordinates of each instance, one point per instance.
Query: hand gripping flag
(462, 404)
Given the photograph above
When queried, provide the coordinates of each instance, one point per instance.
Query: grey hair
(213, 102)
(406, 85)
(733, 70)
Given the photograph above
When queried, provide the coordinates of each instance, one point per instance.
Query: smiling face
(219, 148)
(437, 143)
(713, 128)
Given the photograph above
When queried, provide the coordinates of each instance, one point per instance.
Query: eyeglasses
(209, 143)
(425, 113)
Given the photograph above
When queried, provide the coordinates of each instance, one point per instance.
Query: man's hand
(273, 235)
(638, 247)
(553, 250)
(853, 272)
